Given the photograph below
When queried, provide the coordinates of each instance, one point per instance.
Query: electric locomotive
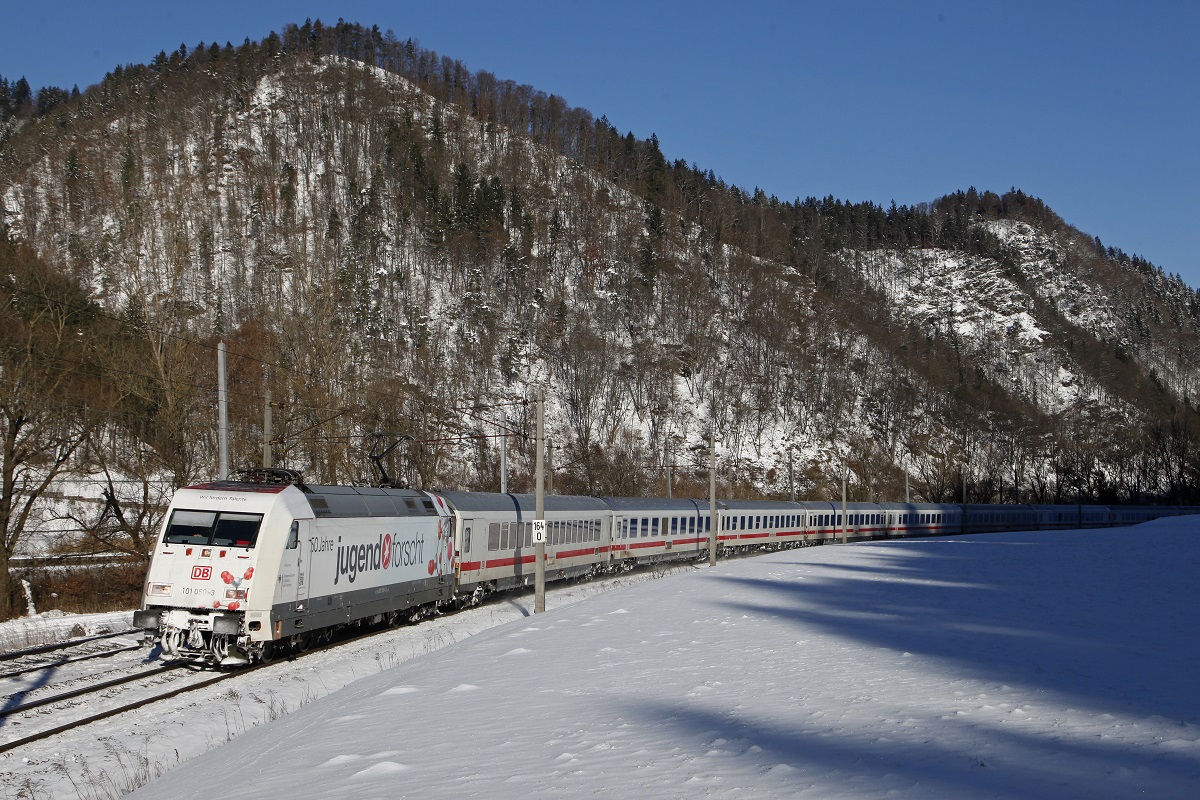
(244, 568)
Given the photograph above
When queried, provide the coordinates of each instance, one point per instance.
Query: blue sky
(1092, 106)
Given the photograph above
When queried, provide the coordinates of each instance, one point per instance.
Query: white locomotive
(245, 569)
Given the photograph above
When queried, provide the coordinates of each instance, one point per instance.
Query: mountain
(390, 243)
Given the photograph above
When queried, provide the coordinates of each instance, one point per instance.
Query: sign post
(713, 519)
(539, 515)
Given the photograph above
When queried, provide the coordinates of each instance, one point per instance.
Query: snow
(57, 626)
(1022, 665)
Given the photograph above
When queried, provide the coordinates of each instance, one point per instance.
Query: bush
(84, 589)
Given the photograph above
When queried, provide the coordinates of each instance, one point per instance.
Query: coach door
(294, 567)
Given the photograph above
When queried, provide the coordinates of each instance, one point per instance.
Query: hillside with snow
(390, 243)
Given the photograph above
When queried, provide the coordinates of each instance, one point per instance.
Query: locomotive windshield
(219, 528)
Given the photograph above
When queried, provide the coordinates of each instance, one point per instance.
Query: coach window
(494, 536)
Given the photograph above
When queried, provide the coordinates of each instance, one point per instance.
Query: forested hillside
(391, 243)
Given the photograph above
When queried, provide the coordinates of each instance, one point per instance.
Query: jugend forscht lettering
(389, 551)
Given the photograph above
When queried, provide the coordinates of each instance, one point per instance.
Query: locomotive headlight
(159, 590)
(235, 594)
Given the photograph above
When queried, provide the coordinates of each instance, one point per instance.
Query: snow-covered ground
(1012, 665)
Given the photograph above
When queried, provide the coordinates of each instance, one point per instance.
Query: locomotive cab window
(220, 528)
(236, 530)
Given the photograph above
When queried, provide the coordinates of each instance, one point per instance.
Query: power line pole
(504, 452)
(267, 422)
(791, 475)
(222, 415)
(845, 480)
(712, 498)
(667, 464)
(539, 572)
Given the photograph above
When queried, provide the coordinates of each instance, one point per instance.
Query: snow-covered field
(1012, 665)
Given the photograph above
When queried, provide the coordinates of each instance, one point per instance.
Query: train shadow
(1091, 629)
(14, 701)
(1082, 621)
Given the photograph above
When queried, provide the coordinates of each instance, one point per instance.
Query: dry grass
(83, 589)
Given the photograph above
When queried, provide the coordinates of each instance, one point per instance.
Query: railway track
(67, 710)
(17, 711)
(34, 659)
(62, 684)
(13, 655)
(122, 708)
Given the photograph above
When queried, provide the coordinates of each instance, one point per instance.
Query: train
(249, 569)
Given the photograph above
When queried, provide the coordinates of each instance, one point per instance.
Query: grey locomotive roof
(367, 501)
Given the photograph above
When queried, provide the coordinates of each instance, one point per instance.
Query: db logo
(201, 573)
